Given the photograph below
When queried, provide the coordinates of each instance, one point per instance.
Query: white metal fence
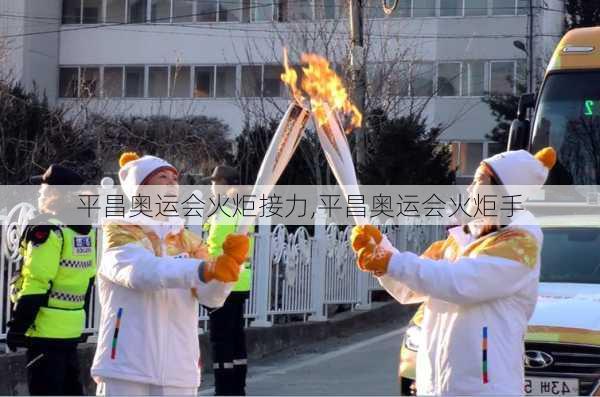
(297, 274)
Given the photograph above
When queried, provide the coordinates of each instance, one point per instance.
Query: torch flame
(290, 78)
(322, 86)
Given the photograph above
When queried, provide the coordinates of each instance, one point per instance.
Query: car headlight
(412, 338)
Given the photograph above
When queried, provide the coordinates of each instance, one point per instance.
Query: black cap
(229, 174)
(58, 175)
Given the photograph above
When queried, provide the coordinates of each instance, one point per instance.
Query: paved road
(363, 364)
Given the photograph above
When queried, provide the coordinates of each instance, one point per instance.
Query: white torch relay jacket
(149, 290)
(478, 296)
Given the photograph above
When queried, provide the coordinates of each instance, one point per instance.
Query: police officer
(227, 335)
(51, 292)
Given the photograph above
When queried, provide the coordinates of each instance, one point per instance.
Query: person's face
(47, 196)
(218, 187)
(481, 178)
(167, 178)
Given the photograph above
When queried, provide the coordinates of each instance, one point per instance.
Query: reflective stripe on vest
(75, 264)
(65, 296)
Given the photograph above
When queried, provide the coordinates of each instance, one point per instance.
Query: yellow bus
(567, 110)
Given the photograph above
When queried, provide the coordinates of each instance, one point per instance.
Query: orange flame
(290, 78)
(323, 86)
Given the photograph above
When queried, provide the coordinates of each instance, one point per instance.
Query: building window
(327, 9)
(272, 84)
(424, 8)
(206, 11)
(225, 81)
(466, 157)
(204, 86)
(92, 11)
(251, 78)
(475, 7)
(292, 10)
(134, 81)
(68, 82)
(374, 9)
(503, 7)
(523, 7)
(90, 82)
(473, 78)
(160, 11)
(230, 10)
(403, 9)
(113, 82)
(258, 10)
(115, 11)
(180, 81)
(502, 79)
(494, 148)
(422, 79)
(71, 11)
(448, 81)
(398, 78)
(136, 12)
(158, 81)
(183, 10)
(451, 8)
(521, 79)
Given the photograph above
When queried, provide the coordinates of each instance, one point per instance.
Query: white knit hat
(135, 169)
(519, 167)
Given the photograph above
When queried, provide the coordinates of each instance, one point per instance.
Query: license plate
(551, 386)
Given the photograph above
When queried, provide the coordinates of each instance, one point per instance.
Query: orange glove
(237, 246)
(362, 235)
(224, 268)
(374, 260)
(371, 256)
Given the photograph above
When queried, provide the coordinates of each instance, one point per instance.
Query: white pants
(118, 387)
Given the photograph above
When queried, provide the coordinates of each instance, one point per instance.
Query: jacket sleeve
(213, 293)
(398, 289)
(497, 270)
(134, 266)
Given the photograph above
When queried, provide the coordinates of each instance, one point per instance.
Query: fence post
(317, 267)
(262, 267)
(2, 270)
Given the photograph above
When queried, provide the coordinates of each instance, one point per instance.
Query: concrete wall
(40, 64)
(31, 58)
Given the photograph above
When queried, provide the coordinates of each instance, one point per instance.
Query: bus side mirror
(518, 137)
(527, 101)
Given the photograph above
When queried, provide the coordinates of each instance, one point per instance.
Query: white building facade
(213, 57)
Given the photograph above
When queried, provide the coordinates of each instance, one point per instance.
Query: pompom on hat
(519, 167)
(134, 170)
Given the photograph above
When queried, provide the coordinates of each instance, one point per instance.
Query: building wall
(31, 58)
(11, 49)
(439, 40)
(166, 44)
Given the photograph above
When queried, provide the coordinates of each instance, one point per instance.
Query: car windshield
(568, 119)
(571, 255)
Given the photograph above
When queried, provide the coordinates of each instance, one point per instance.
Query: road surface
(362, 364)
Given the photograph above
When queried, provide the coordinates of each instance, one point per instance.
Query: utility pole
(531, 71)
(359, 83)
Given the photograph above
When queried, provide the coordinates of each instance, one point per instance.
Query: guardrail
(296, 275)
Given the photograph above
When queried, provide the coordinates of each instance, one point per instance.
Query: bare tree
(395, 72)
